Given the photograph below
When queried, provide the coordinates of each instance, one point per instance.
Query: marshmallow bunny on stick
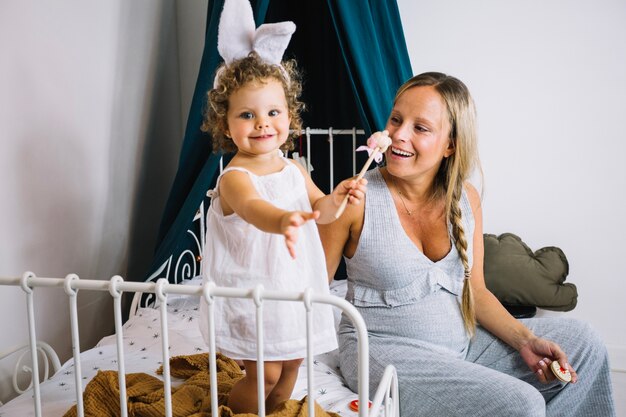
(377, 144)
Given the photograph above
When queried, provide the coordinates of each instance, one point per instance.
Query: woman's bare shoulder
(473, 195)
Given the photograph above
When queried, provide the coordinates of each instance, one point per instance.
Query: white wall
(84, 88)
(549, 81)
(192, 17)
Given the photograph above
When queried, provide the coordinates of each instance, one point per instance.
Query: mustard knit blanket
(145, 394)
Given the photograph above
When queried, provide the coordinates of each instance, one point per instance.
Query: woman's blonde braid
(460, 241)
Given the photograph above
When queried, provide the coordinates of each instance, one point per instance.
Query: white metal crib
(384, 403)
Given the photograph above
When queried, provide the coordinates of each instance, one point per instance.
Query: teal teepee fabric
(375, 55)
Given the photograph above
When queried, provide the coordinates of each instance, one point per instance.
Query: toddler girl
(261, 226)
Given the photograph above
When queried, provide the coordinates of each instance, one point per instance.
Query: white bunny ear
(236, 36)
(271, 40)
(235, 33)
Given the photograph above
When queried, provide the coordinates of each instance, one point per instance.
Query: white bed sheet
(142, 350)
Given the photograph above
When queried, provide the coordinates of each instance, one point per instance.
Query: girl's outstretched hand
(539, 353)
(289, 224)
(351, 187)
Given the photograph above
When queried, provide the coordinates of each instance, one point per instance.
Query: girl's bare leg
(243, 396)
(284, 387)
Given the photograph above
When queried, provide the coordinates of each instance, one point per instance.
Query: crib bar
(202, 235)
(167, 383)
(94, 285)
(362, 348)
(150, 287)
(11, 281)
(307, 131)
(387, 389)
(354, 153)
(32, 339)
(260, 369)
(72, 294)
(212, 362)
(331, 157)
(117, 312)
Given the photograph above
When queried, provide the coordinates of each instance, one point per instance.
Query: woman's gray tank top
(399, 291)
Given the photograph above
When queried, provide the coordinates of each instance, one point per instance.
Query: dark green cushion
(520, 277)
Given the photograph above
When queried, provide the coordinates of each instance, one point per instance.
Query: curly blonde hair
(455, 170)
(239, 73)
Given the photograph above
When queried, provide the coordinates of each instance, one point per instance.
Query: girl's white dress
(237, 254)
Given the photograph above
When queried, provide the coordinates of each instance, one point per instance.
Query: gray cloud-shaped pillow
(520, 277)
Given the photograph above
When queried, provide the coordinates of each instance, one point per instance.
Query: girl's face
(419, 128)
(258, 118)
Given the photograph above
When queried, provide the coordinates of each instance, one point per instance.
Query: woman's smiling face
(420, 131)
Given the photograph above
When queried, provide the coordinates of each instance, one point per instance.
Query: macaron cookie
(354, 405)
(560, 372)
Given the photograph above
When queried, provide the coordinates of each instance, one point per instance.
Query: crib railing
(385, 402)
(330, 133)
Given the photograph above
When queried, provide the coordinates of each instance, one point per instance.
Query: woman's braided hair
(455, 169)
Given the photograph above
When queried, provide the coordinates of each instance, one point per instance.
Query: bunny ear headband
(237, 36)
